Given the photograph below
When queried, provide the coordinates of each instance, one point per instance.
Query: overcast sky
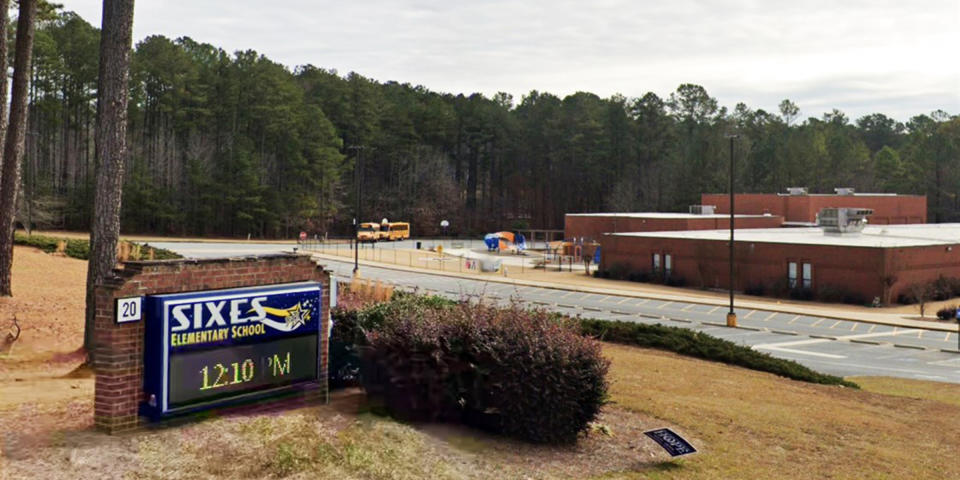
(900, 58)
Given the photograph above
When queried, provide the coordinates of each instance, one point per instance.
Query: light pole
(731, 315)
(358, 180)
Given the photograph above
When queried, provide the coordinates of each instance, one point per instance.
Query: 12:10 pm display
(241, 372)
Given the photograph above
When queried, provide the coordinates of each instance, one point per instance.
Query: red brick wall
(918, 265)
(118, 362)
(861, 270)
(887, 209)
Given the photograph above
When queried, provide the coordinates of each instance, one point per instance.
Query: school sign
(218, 346)
(185, 336)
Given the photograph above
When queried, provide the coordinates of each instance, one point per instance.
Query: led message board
(205, 349)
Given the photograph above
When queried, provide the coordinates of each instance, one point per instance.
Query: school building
(798, 208)
(881, 261)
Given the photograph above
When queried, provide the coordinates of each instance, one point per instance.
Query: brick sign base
(119, 347)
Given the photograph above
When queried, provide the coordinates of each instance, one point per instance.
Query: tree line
(235, 144)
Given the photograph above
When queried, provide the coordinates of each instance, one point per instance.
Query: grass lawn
(747, 424)
(754, 425)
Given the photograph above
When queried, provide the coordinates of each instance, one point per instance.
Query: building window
(667, 264)
(656, 262)
(807, 277)
(792, 274)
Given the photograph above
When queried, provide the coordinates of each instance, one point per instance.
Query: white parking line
(774, 314)
(803, 352)
(822, 340)
(714, 309)
(794, 319)
(948, 363)
(664, 305)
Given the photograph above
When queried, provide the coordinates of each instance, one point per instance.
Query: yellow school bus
(368, 232)
(398, 231)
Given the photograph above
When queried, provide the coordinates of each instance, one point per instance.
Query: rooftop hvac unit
(839, 221)
(702, 209)
(844, 190)
(796, 190)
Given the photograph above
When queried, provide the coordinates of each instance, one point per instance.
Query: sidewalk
(705, 298)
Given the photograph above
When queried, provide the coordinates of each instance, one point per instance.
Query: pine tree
(115, 44)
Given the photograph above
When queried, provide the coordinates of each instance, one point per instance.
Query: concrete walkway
(637, 291)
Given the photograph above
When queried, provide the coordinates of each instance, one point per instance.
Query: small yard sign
(673, 443)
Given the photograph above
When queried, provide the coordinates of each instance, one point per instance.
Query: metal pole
(358, 179)
(731, 315)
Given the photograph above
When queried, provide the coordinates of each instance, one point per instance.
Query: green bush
(947, 313)
(618, 271)
(639, 276)
(839, 294)
(700, 345)
(78, 248)
(510, 371)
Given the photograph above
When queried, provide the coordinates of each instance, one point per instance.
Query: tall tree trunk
(113, 93)
(4, 21)
(13, 143)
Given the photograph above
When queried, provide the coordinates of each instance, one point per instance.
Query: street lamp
(358, 181)
(731, 315)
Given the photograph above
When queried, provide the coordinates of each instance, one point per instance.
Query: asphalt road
(838, 347)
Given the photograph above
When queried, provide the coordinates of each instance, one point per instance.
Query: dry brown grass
(755, 425)
(368, 291)
(916, 389)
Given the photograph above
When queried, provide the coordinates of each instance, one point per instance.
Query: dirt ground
(48, 302)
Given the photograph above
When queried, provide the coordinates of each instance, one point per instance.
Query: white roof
(873, 236)
(666, 215)
(856, 194)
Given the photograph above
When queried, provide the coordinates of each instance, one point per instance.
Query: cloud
(859, 56)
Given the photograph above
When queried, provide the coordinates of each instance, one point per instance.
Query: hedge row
(78, 248)
(700, 345)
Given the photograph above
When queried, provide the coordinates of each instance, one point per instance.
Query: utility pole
(358, 181)
(731, 315)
